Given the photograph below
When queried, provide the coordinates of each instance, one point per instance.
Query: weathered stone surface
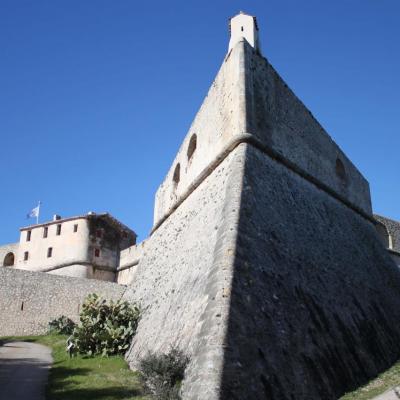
(184, 276)
(265, 265)
(183, 279)
(249, 97)
(315, 298)
(29, 300)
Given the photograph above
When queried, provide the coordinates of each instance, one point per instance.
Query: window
(76, 228)
(99, 233)
(26, 256)
(58, 229)
(49, 252)
(384, 235)
(45, 231)
(28, 236)
(177, 174)
(242, 28)
(192, 146)
(97, 252)
(340, 170)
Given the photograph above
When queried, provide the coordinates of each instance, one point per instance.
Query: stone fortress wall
(29, 300)
(183, 279)
(264, 263)
(257, 106)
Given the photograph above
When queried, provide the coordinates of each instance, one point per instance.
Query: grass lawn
(377, 386)
(84, 377)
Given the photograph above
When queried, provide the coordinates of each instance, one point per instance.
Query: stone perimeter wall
(29, 300)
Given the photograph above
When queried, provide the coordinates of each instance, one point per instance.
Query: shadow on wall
(311, 313)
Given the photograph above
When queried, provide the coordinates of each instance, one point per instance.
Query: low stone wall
(29, 300)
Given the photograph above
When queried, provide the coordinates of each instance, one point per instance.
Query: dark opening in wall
(76, 228)
(22, 306)
(177, 174)
(192, 146)
(45, 231)
(49, 252)
(9, 260)
(384, 235)
(340, 170)
(26, 256)
(28, 236)
(58, 233)
(97, 252)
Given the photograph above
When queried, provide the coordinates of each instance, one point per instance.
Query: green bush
(162, 374)
(105, 328)
(62, 325)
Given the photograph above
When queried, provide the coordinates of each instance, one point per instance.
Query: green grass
(84, 378)
(385, 381)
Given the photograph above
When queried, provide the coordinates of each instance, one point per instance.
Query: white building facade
(87, 246)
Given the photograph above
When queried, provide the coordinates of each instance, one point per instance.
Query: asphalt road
(24, 369)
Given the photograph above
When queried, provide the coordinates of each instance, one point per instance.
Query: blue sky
(96, 96)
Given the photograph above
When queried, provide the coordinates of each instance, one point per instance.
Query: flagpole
(37, 215)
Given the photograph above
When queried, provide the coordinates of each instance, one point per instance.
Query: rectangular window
(26, 256)
(45, 231)
(28, 236)
(58, 230)
(97, 252)
(49, 252)
(76, 228)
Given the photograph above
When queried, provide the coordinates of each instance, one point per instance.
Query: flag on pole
(34, 213)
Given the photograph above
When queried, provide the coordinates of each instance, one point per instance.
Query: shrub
(105, 328)
(62, 325)
(162, 374)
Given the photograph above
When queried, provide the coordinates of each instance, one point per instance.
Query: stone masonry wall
(128, 263)
(29, 300)
(220, 117)
(182, 280)
(277, 117)
(315, 297)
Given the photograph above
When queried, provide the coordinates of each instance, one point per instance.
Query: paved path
(24, 370)
(392, 394)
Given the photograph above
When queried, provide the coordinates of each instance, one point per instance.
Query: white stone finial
(244, 26)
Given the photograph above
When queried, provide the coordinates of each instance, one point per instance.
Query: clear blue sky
(96, 96)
